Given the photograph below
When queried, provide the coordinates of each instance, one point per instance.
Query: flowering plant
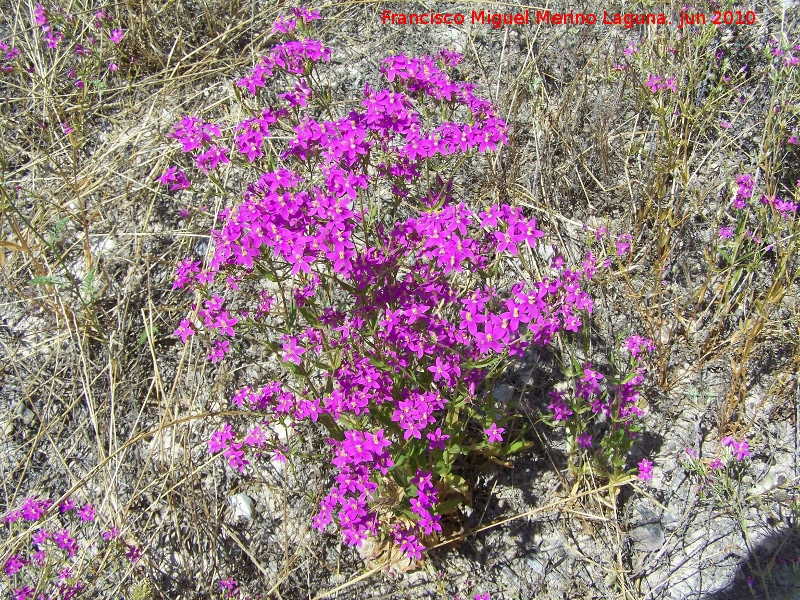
(722, 474)
(381, 294)
(601, 414)
(59, 552)
(85, 49)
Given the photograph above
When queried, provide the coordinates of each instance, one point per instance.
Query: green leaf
(309, 316)
(448, 506)
(294, 369)
(142, 339)
(737, 274)
(45, 280)
(59, 227)
(409, 515)
(333, 428)
(377, 362)
(517, 446)
(485, 362)
(263, 272)
(455, 449)
(442, 468)
(457, 483)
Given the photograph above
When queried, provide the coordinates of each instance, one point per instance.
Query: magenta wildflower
(745, 190)
(133, 553)
(636, 344)
(14, 564)
(440, 370)
(235, 456)
(397, 317)
(561, 411)
(40, 537)
(740, 449)
(221, 348)
(212, 158)
(653, 83)
(726, 232)
(670, 83)
(86, 513)
(645, 470)
(623, 244)
(66, 542)
(116, 35)
(24, 593)
(32, 509)
(292, 351)
(185, 272)
(229, 584)
(220, 438)
(785, 208)
(437, 439)
(184, 331)
(40, 15)
(284, 26)
(589, 384)
(584, 440)
(494, 433)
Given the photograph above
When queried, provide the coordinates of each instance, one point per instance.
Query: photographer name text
(546, 17)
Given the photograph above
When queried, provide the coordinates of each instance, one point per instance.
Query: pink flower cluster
(597, 401)
(786, 209)
(656, 84)
(8, 56)
(51, 544)
(740, 449)
(645, 470)
(51, 36)
(636, 344)
(175, 179)
(290, 56)
(231, 587)
(31, 510)
(385, 308)
(744, 192)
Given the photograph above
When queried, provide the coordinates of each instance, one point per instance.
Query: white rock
(776, 477)
(284, 432)
(104, 245)
(648, 538)
(502, 393)
(242, 506)
(546, 252)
